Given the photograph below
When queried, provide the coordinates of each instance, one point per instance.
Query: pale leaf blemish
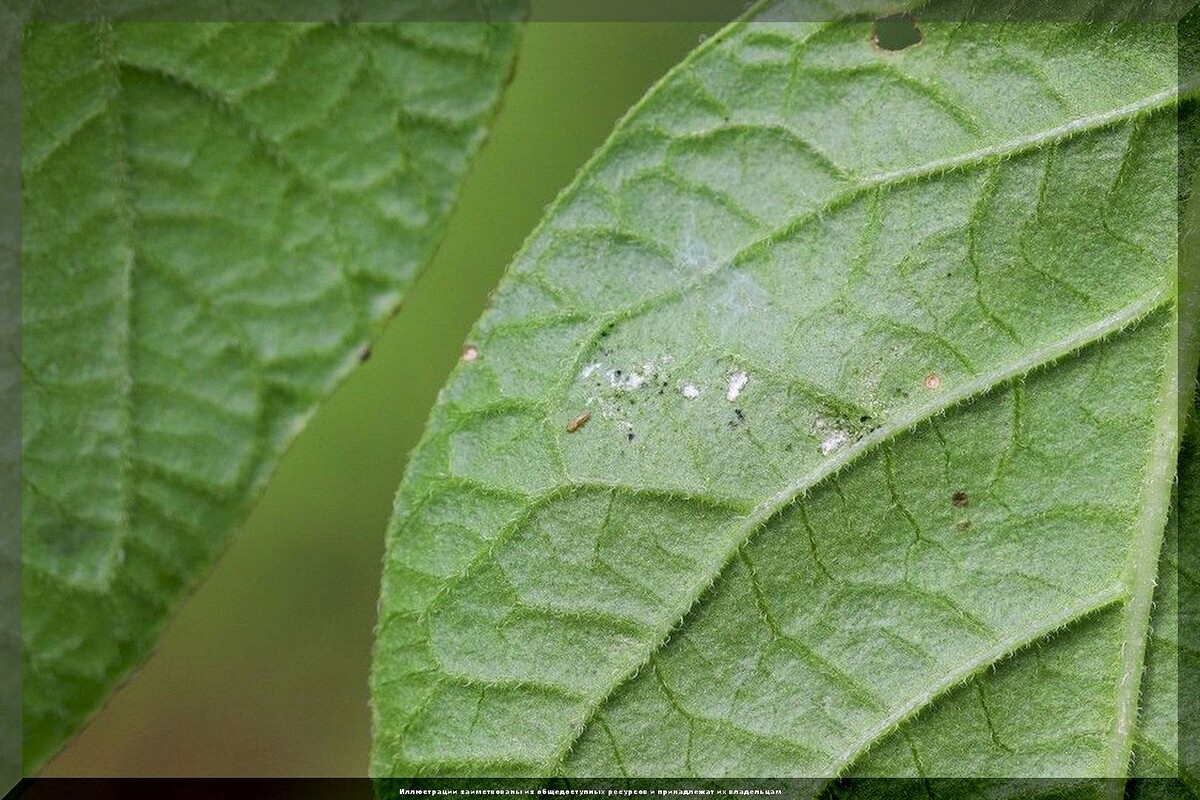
(834, 440)
(628, 380)
(470, 353)
(625, 380)
(737, 382)
(590, 370)
(693, 254)
(689, 391)
(833, 434)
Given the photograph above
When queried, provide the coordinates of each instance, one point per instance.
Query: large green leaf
(217, 220)
(879, 352)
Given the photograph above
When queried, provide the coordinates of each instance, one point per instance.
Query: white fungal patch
(737, 382)
(590, 370)
(833, 441)
(689, 391)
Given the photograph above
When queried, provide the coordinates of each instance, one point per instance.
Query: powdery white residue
(629, 380)
(625, 381)
(833, 441)
(690, 391)
(590, 370)
(737, 382)
(693, 254)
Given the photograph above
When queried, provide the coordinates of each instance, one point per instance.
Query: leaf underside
(217, 219)
(879, 354)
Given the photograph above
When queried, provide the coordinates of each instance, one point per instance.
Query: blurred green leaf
(217, 221)
(826, 425)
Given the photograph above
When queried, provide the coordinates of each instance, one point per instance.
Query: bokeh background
(264, 671)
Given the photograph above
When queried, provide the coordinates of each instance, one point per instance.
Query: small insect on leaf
(578, 422)
(960, 499)
(933, 380)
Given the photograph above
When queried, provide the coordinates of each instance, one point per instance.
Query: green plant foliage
(877, 352)
(217, 221)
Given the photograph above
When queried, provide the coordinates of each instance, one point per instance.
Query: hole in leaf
(896, 32)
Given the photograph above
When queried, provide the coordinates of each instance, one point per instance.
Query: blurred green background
(264, 671)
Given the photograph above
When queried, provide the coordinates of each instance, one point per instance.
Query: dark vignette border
(650, 789)
(14, 14)
(10, 397)
(1187, 494)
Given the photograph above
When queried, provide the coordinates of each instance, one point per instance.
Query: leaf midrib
(1143, 570)
(117, 134)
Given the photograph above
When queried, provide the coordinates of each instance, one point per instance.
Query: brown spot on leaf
(960, 499)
